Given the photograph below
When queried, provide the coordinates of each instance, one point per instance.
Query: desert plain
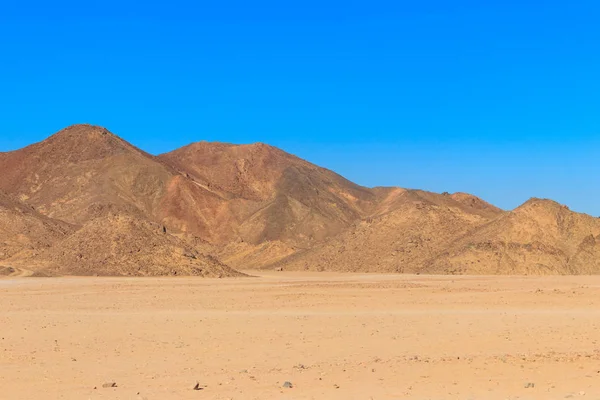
(331, 335)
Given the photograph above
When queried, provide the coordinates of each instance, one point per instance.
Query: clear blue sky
(497, 98)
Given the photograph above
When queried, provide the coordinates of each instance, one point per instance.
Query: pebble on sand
(109, 385)
(288, 385)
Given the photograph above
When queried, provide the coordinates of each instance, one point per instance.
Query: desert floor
(332, 336)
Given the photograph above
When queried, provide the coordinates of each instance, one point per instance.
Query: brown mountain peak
(264, 147)
(474, 202)
(246, 170)
(233, 151)
(82, 142)
(81, 129)
(538, 204)
(82, 170)
(80, 133)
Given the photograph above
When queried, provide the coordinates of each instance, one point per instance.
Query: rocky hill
(84, 201)
(24, 231)
(539, 237)
(270, 195)
(408, 228)
(123, 245)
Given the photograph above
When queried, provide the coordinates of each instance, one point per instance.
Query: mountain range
(86, 202)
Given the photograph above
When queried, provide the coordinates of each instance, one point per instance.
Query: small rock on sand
(288, 385)
(109, 385)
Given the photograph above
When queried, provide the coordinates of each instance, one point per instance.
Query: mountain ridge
(257, 206)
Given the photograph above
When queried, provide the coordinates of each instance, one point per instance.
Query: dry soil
(332, 336)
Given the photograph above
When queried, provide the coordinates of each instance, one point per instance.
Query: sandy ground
(332, 336)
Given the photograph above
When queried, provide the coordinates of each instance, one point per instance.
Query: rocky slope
(539, 237)
(83, 172)
(409, 228)
(84, 201)
(270, 195)
(123, 245)
(23, 231)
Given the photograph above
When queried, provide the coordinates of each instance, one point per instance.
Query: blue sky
(496, 98)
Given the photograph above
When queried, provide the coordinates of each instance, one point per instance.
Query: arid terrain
(86, 202)
(335, 291)
(299, 200)
(332, 336)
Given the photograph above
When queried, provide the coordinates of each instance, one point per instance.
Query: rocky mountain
(84, 201)
(82, 172)
(270, 195)
(407, 229)
(539, 237)
(124, 245)
(86, 176)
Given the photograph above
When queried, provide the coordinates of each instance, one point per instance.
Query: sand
(332, 336)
